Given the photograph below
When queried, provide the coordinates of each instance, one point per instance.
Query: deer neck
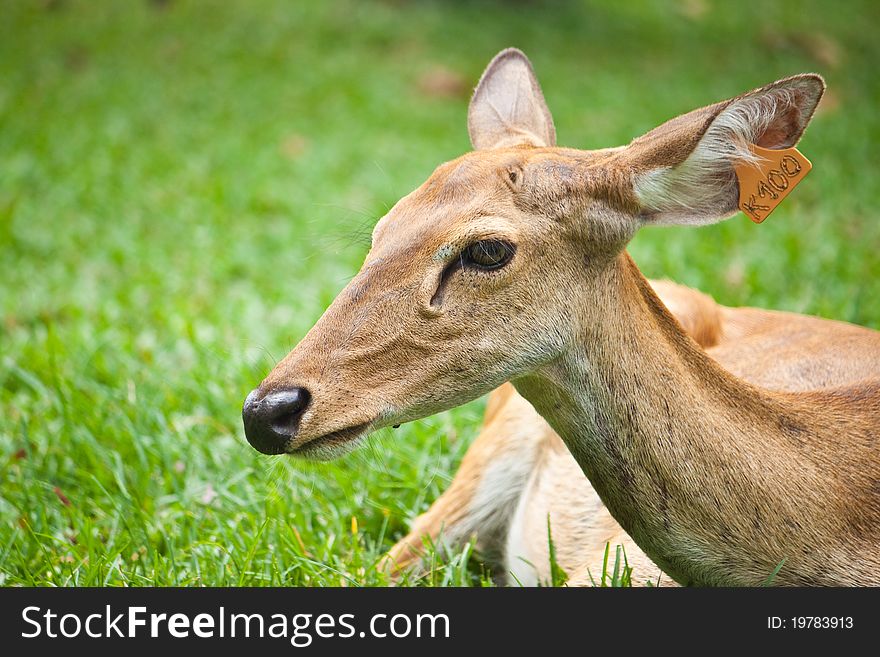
(691, 461)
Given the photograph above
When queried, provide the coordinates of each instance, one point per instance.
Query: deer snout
(271, 421)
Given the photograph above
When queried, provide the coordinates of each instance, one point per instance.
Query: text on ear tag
(762, 186)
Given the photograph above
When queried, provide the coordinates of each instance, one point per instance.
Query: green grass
(185, 186)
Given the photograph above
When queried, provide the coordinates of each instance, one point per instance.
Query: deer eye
(487, 254)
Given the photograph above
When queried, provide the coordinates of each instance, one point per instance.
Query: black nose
(270, 422)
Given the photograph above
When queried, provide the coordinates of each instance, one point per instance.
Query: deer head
(501, 259)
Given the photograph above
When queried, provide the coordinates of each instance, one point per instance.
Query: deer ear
(683, 171)
(508, 108)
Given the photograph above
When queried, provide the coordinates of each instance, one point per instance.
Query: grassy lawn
(185, 186)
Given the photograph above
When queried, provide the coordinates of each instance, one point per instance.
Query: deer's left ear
(508, 107)
(683, 171)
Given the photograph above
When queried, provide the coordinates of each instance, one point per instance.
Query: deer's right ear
(508, 108)
(684, 170)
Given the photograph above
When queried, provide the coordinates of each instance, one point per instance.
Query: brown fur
(720, 463)
(478, 506)
(556, 486)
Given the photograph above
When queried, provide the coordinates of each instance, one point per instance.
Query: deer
(724, 464)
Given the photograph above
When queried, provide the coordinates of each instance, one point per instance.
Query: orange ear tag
(763, 186)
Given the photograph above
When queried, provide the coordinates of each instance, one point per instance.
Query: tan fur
(719, 463)
(478, 505)
(557, 488)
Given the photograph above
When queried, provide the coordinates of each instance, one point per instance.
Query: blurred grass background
(184, 187)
